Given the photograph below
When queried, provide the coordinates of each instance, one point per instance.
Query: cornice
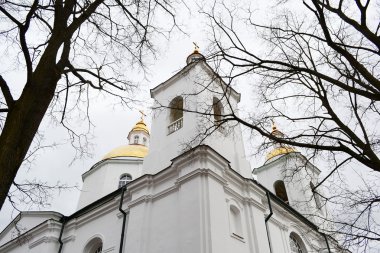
(98, 165)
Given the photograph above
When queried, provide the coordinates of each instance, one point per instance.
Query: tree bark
(23, 121)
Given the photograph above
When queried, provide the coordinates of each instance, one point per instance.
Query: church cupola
(118, 167)
(138, 139)
(139, 134)
(195, 56)
(278, 148)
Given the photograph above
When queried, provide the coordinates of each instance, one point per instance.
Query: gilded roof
(132, 150)
(140, 126)
(280, 151)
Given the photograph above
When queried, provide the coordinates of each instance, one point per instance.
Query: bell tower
(189, 109)
(291, 177)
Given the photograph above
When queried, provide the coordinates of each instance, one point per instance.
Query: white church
(161, 194)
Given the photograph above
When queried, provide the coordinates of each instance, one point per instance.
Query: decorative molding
(68, 238)
(277, 222)
(100, 164)
(109, 249)
(44, 239)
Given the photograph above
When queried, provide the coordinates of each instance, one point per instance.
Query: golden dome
(280, 151)
(133, 150)
(140, 126)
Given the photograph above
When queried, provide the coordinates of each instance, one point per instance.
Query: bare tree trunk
(23, 121)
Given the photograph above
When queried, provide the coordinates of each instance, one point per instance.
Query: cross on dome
(195, 56)
(196, 48)
(142, 115)
(279, 148)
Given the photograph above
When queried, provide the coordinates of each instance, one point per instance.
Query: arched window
(176, 109)
(94, 246)
(316, 196)
(280, 190)
(296, 244)
(124, 179)
(99, 249)
(144, 140)
(235, 220)
(176, 114)
(218, 110)
(136, 139)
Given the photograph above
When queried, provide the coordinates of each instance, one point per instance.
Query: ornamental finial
(274, 127)
(142, 114)
(196, 48)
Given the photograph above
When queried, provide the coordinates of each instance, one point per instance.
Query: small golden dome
(280, 151)
(133, 150)
(195, 55)
(140, 126)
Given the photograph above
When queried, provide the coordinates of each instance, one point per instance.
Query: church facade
(165, 192)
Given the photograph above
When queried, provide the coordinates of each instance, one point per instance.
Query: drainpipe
(327, 242)
(124, 219)
(267, 219)
(60, 234)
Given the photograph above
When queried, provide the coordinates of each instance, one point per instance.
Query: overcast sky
(112, 123)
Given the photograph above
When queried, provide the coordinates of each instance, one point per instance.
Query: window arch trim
(296, 243)
(235, 219)
(93, 244)
(124, 179)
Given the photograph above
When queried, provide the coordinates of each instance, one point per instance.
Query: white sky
(112, 123)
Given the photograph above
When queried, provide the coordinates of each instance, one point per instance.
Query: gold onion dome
(140, 126)
(280, 149)
(133, 149)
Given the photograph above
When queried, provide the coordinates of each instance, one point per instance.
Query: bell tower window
(218, 110)
(136, 139)
(280, 190)
(316, 196)
(175, 115)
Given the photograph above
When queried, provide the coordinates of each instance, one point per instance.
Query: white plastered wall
(297, 174)
(185, 208)
(198, 92)
(104, 178)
